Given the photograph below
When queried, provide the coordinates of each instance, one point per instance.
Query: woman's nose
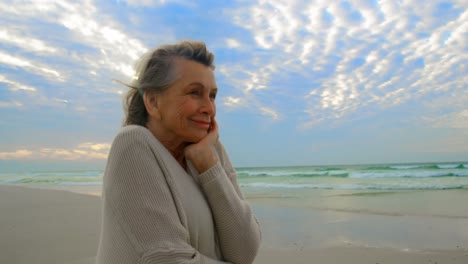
(208, 106)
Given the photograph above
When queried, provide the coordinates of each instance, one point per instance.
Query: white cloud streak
(32, 66)
(84, 151)
(18, 154)
(16, 86)
(25, 42)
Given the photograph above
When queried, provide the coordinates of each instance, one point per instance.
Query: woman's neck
(175, 146)
(179, 154)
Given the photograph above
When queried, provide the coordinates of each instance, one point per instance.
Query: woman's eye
(195, 92)
(213, 96)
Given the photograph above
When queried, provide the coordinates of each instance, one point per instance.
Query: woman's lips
(205, 124)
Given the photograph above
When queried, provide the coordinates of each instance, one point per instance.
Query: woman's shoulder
(133, 134)
(134, 131)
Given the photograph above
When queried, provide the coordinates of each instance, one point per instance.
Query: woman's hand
(202, 154)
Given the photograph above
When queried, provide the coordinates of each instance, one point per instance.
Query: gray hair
(155, 72)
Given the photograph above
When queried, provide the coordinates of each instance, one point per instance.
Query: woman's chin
(196, 137)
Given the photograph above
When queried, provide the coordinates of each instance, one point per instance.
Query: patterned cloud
(355, 57)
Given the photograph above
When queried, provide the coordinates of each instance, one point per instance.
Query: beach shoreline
(40, 225)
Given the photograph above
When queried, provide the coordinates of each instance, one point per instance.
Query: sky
(300, 82)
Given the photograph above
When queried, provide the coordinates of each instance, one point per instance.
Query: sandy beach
(59, 226)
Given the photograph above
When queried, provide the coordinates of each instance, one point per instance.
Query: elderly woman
(170, 192)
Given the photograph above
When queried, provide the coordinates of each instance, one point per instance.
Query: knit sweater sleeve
(238, 229)
(140, 198)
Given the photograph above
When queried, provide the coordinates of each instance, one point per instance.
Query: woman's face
(187, 108)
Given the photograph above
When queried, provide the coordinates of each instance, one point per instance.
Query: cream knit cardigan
(144, 215)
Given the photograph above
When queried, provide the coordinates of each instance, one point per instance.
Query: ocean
(417, 176)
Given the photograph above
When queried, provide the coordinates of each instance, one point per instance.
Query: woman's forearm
(238, 229)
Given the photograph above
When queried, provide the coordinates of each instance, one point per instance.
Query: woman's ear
(151, 105)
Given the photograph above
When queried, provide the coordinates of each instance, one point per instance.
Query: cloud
(117, 50)
(74, 154)
(18, 154)
(77, 47)
(25, 42)
(233, 43)
(270, 112)
(28, 43)
(25, 96)
(95, 146)
(114, 49)
(33, 66)
(356, 56)
(251, 85)
(16, 86)
(84, 151)
(233, 102)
